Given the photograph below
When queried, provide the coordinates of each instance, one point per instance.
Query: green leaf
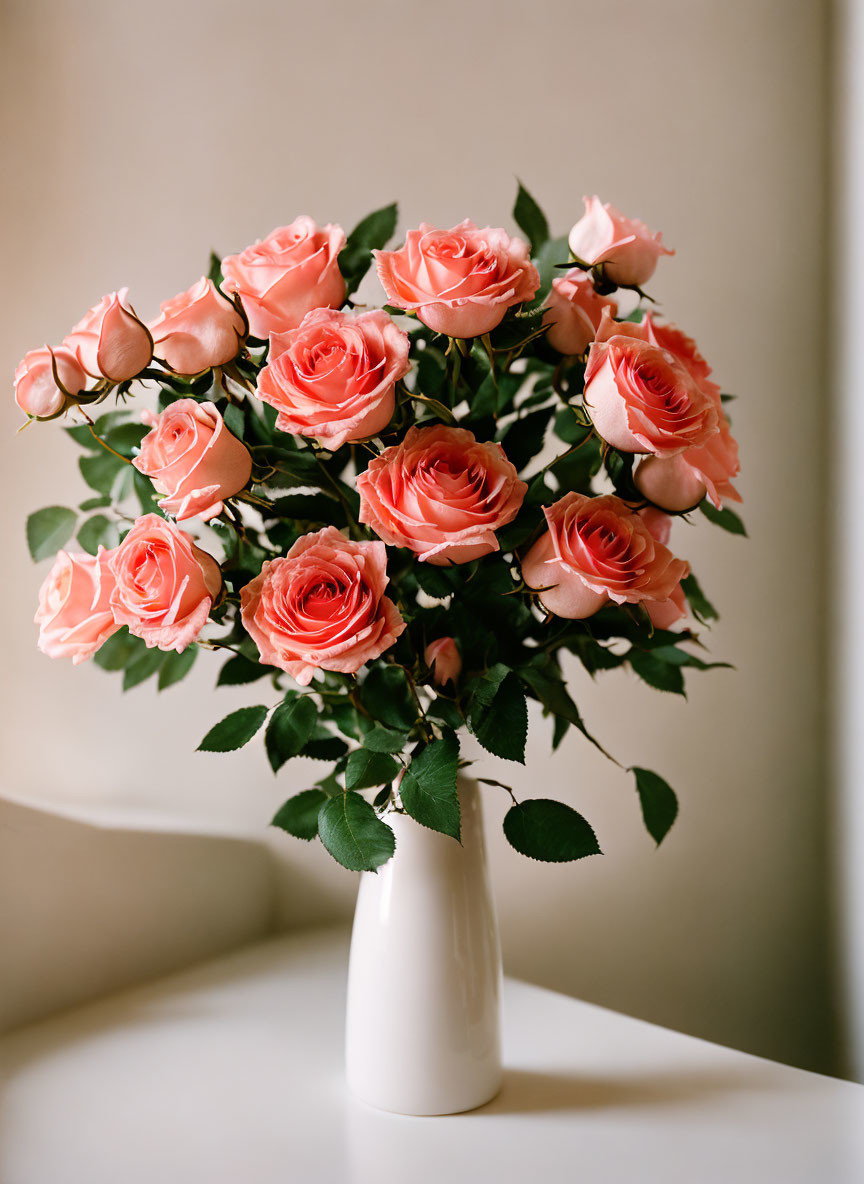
(299, 815)
(324, 748)
(386, 695)
(373, 232)
(239, 670)
(502, 727)
(176, 666)
(48, 530)
(354, 834)
(126, 437)
(148, 498)
(701, 606)
(234, 730)
(428, 790)
(381, 739)
(94, 503)
(524, 438)
(659, 803)
(142, 668)
(550, 831)
(290, 727)
(121, 649)
(365, 769)
(101, 471)
(663, 676)
(550, 689)
(552, 252)
(98, 531)
(234, 421)
(725, 518)
(530, 218)
(214, 271)
(439, 582)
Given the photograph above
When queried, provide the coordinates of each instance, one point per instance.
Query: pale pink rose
(626, 248)
(680, 482)
(663, 613)
(460, 281)
(193, 459)
(198, 329)
(36, 388)
(440, 493)
(334, 377)
(282, 277)
(641, 398)
(164, 586)
(74, 614)
(444, 659)
(574, 312)
(322, 606)
(110, 341)
(596, 550)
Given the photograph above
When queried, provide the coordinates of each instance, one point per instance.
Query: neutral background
(138, 137)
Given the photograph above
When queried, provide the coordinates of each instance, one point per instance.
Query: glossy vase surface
(424, 983)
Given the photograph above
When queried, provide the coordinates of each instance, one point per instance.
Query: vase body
(424, 981)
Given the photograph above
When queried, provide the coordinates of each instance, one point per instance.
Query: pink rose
(663, 613)
(460, 281)
(322, 606)
(287, 274)
(574, 312)
(110, 341)
(680, 482)
(37, 392)
(641, 398)
(164, 585)
(198, 329)
(443, 658)
(441, 494)
(596, 550)
(193, 459)
(74, 614)
(334, 377)
(626, 248)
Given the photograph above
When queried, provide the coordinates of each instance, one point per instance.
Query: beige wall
(137, 137)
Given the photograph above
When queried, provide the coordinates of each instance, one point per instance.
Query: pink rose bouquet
(399, 520)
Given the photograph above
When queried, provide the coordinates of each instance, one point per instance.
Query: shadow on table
(525, 1091)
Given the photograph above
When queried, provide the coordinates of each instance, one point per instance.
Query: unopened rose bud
(443, 657)
(626, 247)
(44, 384)
(111, 341)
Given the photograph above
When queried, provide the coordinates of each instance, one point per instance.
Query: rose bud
(110, 341)
(626, 248)
(440, 493)
(460, 281)
(287, 274)
(164, 586)
(322, 606)
(596, 550)
(197, 330)
(44, 386)
(193, 459)
(74, 614)
(443, 658)
(334, 377)
(574, 310)
(641, 398)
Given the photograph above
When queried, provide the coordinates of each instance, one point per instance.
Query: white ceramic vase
(424, 983)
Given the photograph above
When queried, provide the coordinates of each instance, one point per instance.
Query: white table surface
(231, 1074)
